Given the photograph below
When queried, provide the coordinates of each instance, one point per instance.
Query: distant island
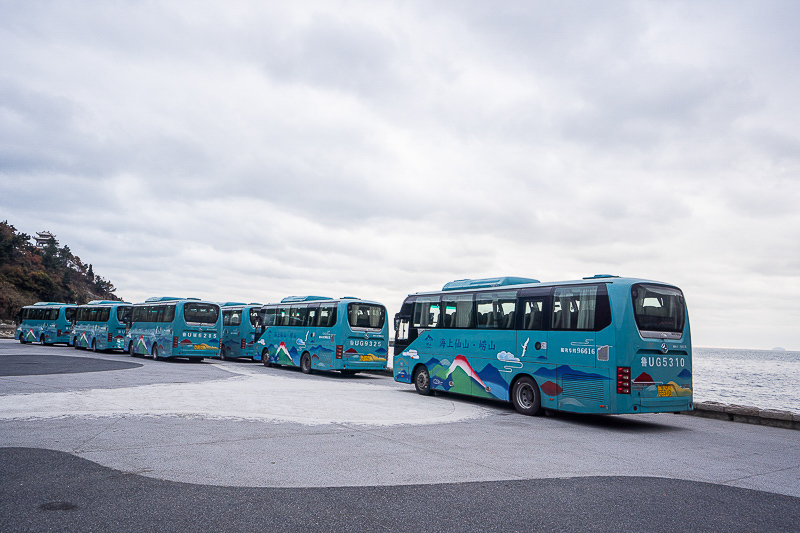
(34, 269)
(779, 349)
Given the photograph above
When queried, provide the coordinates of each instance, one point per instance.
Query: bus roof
(601, 278)
(167, 299)
(49, 303)
(106, 302)
(295, 299)
(461, 284)
(237, 304)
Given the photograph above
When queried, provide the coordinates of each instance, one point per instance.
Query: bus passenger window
(426, 312)
(574, 308)
(496, 310)
(533, 318)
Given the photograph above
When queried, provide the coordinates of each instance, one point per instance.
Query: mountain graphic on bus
(550, 388)
(316, 348)
(282, 355)
(30, 337)
(644, 378)
(553, 373)
(351, 351)
(141, 346)
(371, 358)
(685, 374)
(204, 346)
(380, 351)
(185, 342)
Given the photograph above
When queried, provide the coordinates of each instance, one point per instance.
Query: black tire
(22, 338)
(130, 350)
(94, 345)
(156, 357)
(41, 339)
(305, 363)
(526, 397)
(265, 358)
(422, 380)
(222, 355)
(75, 343)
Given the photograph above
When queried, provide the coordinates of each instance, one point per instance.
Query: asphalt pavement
(129, 444)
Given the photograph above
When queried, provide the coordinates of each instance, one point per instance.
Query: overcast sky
(253, 150)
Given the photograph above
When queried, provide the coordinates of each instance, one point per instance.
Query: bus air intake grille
(584, 387)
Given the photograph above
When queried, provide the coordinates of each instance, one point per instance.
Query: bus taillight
(243, 343)
(110, 336)
(174, 342)
(339, 351)
(59, 333)
(623, 380)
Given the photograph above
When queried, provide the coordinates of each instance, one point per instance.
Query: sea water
(768, 379)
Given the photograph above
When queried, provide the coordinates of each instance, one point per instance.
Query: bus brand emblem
(664, 348)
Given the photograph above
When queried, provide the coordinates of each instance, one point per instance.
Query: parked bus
(100, 325)
(321, 333)
(45, 323)
(239, 323)
(174, 327)
(602, 344)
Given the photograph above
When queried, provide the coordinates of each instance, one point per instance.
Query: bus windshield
(201, 313)
(366, 315)
(658, 309)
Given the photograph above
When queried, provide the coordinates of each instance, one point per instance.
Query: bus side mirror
(397, 321)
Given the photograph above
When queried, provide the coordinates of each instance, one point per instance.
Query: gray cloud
(251, 151)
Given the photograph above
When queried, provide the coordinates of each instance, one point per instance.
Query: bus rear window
(123, 313)
(366, 315)
(200, 313)
(658, 310)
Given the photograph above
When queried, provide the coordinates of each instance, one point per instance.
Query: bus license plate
(664, 390)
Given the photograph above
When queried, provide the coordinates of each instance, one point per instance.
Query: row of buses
(602, 344)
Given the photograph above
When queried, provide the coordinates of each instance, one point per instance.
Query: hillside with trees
(51, 273)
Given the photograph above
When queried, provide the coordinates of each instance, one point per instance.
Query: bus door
(572, 345)
(493, 355)
(402, 327)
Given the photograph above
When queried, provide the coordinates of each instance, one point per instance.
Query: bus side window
(426, 312)
(226, 318)
(496, 310)
(574, 308)
(533, 318)
(311, 317)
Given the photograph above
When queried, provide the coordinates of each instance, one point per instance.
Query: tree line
(53, 274)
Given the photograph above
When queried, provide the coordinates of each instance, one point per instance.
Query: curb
(746, 414)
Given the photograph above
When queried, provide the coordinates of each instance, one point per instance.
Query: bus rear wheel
(305, 363)
(265, 358)
(422, 380)
(156, 357)
(222, 354)
(525, 396)
(94, 345)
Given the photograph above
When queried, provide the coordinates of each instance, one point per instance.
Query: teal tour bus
(602, 344)
(320, 333)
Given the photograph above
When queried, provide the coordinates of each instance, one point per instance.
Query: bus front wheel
(525, 396)
(422, 380)
(22, 338)
(305, 363)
